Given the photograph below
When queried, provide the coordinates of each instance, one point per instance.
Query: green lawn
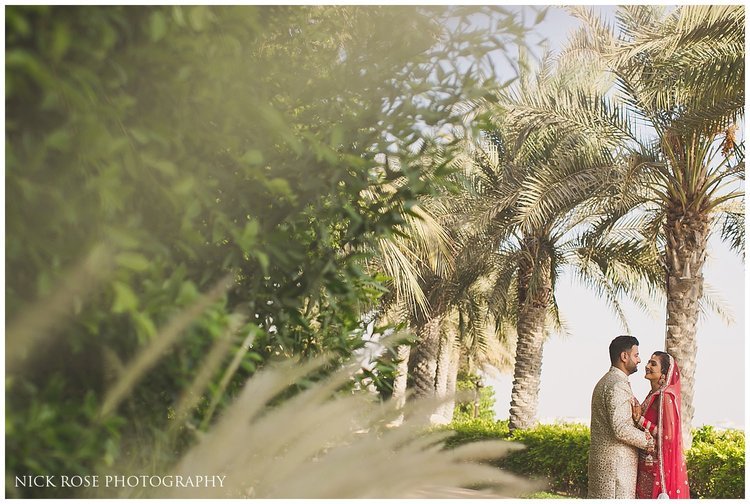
(547, 495)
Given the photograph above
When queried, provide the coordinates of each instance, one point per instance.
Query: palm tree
(423, 290)
(414, 260)
(470, 335)
(462, 320)
(471, 341)
(438, 287)
(683, 73)
(536, 191)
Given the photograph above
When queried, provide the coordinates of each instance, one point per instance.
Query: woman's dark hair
(663, 361)
(620, 344)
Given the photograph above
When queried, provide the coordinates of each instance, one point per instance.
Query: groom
(613, 456)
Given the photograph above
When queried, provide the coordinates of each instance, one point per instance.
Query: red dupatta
(671, 479)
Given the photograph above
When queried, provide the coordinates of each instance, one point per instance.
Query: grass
(547, 495)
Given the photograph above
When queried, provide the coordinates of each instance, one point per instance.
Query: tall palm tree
(682, 72)
(426, 290)
(470, 333)
(471, 340)
(415, 259)
(536, 193)
(443, 298)
(451, 295)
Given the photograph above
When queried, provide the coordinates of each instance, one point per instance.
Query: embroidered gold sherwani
(613, 456)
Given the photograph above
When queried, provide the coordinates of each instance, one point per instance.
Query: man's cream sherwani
(613, 456)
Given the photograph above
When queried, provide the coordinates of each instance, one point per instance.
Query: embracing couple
(636, 449)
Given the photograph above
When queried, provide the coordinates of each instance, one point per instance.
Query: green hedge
(559, 454)
(716, 464)
(477, 429)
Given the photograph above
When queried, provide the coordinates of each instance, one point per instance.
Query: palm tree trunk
(443, 378)
(399, 381)
(451, 386)
(687, 236)
(424, 358)
(534, 288)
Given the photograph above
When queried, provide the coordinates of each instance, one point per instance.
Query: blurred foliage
(559, 454)
(192, 143)
(53, 435)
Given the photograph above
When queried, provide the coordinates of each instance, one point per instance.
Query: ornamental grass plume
(324, 443)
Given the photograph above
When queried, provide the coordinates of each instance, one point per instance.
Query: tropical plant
(462, 324)
(681, 72)
(475, 401)
(437, 287)
(535, 191)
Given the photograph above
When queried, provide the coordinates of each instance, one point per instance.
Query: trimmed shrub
(477, 429)
(716, 464)
(559, 454)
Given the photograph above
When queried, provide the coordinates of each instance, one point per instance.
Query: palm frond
(399, 264)
(713, 302)
(733, 226)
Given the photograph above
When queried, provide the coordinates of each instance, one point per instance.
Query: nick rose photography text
(119, 481)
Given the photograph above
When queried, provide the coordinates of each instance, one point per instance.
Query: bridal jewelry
(649, 461)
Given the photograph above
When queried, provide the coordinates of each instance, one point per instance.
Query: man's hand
(636, 409)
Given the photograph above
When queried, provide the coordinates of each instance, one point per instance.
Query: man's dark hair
(620, 344)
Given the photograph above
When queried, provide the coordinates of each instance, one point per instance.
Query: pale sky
(572, 365)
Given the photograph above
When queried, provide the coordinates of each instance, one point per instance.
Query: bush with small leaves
(559, 454)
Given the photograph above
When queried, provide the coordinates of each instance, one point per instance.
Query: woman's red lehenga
(665, 471)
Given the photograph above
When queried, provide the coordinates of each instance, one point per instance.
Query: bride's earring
(662, 380)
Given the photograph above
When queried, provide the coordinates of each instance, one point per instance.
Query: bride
(664, 474)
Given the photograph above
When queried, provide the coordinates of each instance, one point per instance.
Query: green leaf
(178, 15)
(185, 186)
(188, 293)
(16, 22)
(60, 41)
(198, 17)
(59, 140)
(253, 157)
(246, 240)
(166, 167)
(263, 261)
(280, 187)
(140, 136)
(125, 298)
(133, 261)
(145, 326)
(122, 238)
(157, 26)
